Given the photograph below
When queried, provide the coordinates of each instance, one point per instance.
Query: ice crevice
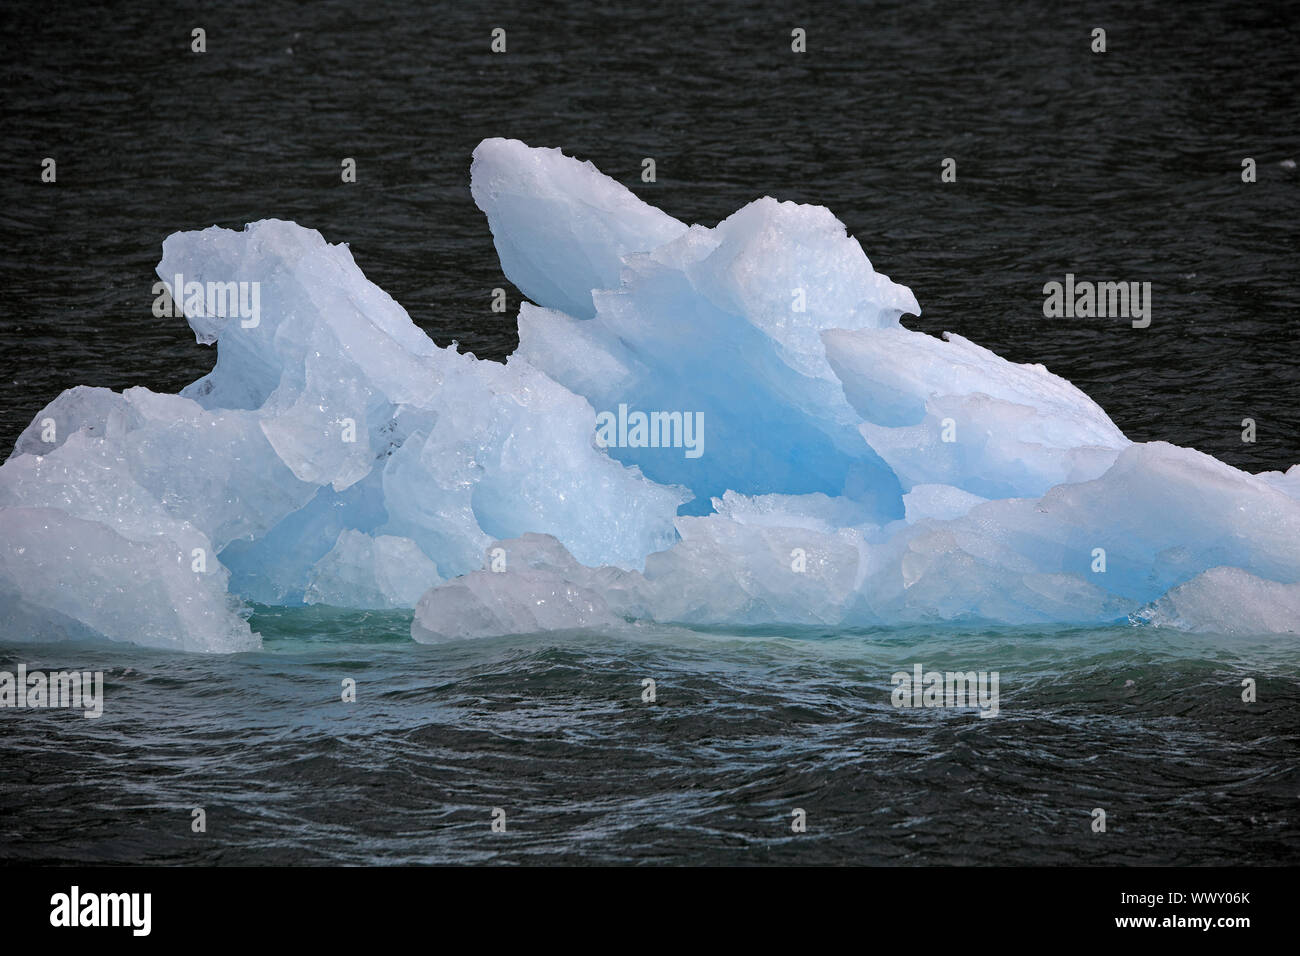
(850, 471)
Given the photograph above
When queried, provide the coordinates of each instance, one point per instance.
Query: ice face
(724, 325)
(371, 572)
(530, 584)
(1227, 601)
(63, 577)
(950, 412)
(1123, 546)
(333, 455)
(116, 530)
(800, 457)
(1089, 552)
(568, 226)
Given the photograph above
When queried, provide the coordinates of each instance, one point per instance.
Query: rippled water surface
(1124, 166)
(744, 729)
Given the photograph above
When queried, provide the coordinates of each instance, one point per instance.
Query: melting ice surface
(853, 473)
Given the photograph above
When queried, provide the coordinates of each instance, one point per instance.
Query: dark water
(744, 729)
(1122, 166)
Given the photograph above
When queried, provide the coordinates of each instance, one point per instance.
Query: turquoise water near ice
(745, 728)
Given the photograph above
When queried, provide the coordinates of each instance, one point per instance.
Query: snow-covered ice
(850, 471)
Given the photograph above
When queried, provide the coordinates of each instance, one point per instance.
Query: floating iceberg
(715, 427)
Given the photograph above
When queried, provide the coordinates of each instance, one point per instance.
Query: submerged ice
(850, 471)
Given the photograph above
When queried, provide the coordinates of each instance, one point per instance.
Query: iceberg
(726, 426)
